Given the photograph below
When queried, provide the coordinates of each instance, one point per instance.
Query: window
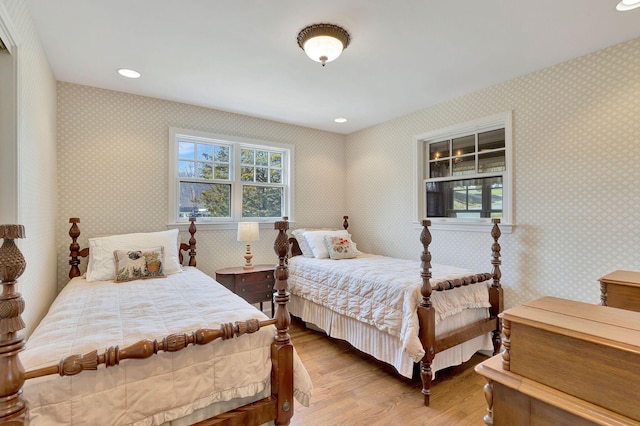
(464, 173)
(222, 179)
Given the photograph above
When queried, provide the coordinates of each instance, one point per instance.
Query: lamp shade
(248, 231)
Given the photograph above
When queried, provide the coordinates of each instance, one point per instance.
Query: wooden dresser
(565, 363)
(621, 289)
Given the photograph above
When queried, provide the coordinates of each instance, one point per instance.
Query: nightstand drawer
(255, 277)
(253, 287)
(257, 297)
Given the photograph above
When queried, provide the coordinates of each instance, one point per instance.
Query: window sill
(219, 226)
(465, 225)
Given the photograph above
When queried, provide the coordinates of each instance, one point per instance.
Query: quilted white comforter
(88, 316)
(383, 292)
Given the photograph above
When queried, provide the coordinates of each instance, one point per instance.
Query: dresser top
(241, 270)
(630, 278)
(599, 324)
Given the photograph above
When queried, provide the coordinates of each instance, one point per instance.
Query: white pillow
(302, 243)
(102, 264)
(315, 240)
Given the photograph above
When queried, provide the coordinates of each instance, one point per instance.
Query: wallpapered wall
(576, 172)
(36, 144)
(112, 170)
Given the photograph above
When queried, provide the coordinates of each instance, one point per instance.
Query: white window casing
(234, 145)
(421, 143)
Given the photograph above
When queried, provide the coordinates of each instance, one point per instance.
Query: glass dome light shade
(323, 48)
(625, 5)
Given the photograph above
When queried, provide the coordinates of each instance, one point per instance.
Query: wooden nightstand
(621, 289)
(253, 285)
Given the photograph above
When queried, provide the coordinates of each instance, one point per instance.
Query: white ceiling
(242, 55)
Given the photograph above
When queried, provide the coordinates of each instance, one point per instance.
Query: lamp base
(247, 257)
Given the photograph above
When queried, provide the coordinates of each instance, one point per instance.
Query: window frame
(235, 145)
(421, 142)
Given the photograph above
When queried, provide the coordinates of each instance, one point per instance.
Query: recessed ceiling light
(628, 5)
(128, 73)
(340, 120)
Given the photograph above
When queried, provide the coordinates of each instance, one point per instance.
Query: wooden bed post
(12, 376)
(74, 248)
(191, 247)
(495, 291)
(426, 314)
(282, 348)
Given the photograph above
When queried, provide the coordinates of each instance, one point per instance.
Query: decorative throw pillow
(139, 264)
(339, 247)
(101, 266)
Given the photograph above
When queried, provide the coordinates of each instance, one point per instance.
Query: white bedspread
(383, 292)
(167, 386)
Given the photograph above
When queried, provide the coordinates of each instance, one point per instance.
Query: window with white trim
(222, 179)
(464, 172)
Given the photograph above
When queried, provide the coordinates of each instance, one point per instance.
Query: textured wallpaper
(576, 147)
(112, 170)
(36, 166)
(576, 156)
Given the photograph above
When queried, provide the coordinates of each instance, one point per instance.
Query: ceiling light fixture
(340, 120)
(625, 5)
(128, 73)
(323, 42)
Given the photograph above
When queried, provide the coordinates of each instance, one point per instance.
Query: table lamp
(247, 232)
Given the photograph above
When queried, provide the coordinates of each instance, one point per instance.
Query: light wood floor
(351, 388)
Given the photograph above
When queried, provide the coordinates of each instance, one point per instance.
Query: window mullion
(236, 185)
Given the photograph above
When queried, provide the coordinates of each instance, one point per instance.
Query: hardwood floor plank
(352, 388)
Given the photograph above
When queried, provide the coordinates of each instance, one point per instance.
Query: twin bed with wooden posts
(399, 311)
(180, 349)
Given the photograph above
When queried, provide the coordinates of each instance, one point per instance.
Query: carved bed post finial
(495, 249)
(282, 348)
(345, 223)
(425, 263)
(281, 247)
(12, 265)
(192, 242)
(426, 314)
(74, 248)
(496, 297)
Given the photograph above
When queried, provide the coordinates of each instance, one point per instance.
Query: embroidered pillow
(139, 264)
(339, 247)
